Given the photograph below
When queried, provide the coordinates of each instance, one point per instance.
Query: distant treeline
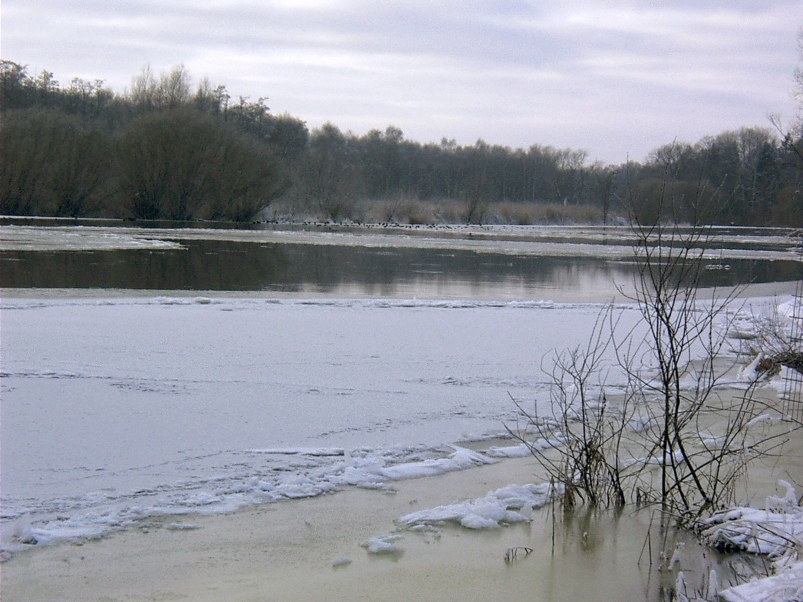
(167, 150)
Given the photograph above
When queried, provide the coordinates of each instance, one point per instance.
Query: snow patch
(776, 532)
(382, 544)
(508, 505)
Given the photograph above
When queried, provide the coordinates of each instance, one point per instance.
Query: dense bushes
(179, 164)
(183, 164)
(160, 153)
(52, 163)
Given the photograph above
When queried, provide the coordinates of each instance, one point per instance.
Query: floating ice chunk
(511, 504)
(301, 486)
(473, 521)
(202, 498)
(382, 544)
(257, 484)
(489, 508)
(523, 496)
(373, 473)
(460, 460)
(23, 530)
(510, 451)
(340, 561)
(182, 527)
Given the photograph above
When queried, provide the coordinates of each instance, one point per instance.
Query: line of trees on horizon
(166, 149)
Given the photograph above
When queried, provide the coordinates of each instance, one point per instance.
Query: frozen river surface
(115, 409)
(119, 406)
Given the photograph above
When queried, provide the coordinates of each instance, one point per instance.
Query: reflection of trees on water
(203, 265)
(245, 266)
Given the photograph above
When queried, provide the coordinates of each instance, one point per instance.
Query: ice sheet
(118, 409)
(115, 409)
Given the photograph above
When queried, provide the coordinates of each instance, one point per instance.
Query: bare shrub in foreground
(580, 423)
(675, 436)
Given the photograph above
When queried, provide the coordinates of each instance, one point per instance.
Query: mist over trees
(168, 149)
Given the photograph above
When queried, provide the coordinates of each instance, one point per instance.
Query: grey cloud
(617, 77)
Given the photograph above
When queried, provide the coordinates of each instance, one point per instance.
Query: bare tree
(184, 164)
(581, 424)
(672, 434)
(330, 175)
(682, 348)
(51, 164)
(169, 91)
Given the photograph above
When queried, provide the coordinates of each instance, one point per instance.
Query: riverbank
(288, 551)
(314, 549)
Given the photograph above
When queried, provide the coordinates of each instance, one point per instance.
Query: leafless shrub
(675, 436)
(580, 423)
(775, 341)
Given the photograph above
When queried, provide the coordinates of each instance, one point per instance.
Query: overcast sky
(617, 78)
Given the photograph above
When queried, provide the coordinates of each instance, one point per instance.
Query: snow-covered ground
(775, 531)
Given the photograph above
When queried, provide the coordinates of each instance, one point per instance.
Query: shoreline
(750, 291)
(310, 549)
(287, 550)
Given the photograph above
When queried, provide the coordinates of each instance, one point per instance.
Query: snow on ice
(775, 532)
(171, 406)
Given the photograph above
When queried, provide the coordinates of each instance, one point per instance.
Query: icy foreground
(114, 410)
(118, 410)
(775, 532)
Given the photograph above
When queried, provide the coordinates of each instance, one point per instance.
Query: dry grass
(409, 210)
(524, 214)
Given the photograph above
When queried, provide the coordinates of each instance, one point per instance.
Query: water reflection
(623, 555)
(221, 265)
